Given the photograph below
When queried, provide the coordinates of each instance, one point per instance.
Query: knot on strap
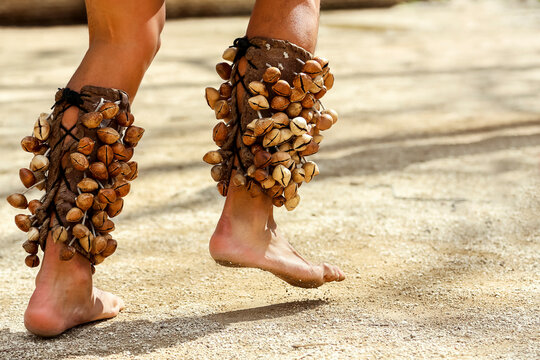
(242, 45)
(71, 97)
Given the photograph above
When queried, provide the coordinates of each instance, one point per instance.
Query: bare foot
(246, 236)
(64, 296)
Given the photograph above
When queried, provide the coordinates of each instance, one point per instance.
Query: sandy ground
(428, 197)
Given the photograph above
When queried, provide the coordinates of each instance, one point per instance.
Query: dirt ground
(428, 197)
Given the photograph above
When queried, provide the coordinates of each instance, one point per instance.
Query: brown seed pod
(110, 248)
(251, 125)
(290, 190)
(281, 120)
(262, 159)
(30, 144)
(307, 114)
(312, 148)
(260, 175)
(115, 208)
(80, 231)
(109, 110)
(115, 168)
(285, 134)
(67, 253)
(325, 122)
(59, 234)
(98, 245)
(91, 120)
(213, 157)
(311, 169)
(85, 146)
(217, 172)
(108, 135)
(280, 158)
(33, 234)
(312, 68)
(105, 154)
(107, 227)
(98, 259)
(297, 95)
(282, 88)
(40, 177)
(122, 187)
(23, 222)
(267, 183)
(329, 81)
(262, 126)
(258, 102)
(107, 196)
(211, 95)
(129, 151)
(223, 69)
(254, 189)
(279, 103)
(317, 85)
(88, 185)
(301, 142)
(299, 126)
(97, 205)
(86, 242)
(220, 133)
(222, 109)
(84, 201)
(238, 180)
(120, 152)
(33, 205)
(322, 61)
(271, 75)
(251, 170)
(282, 175)
(258, 88)
(225, 90)
(286, 147)
(39, 163)
(294, 109)
(318, 138)
(74, 215)
(298, 175)
(42, 128)
(125, 119)
(278, 201)
(302, 82)
(229, 54)
(292, 203)
(32, 261)
(308, 101)
(333, 114)
(275, 190)
(18, 201)
(272, 138)
(134, 173)
(223, 187)
(31, 247)
(249, 138)
(99, 219)
(79, 161)
(321, 93)
(256, 148)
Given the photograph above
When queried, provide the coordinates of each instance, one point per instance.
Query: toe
(330, 273)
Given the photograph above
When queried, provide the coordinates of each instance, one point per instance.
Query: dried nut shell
(31, 247)
(272, 138)
(251, 125)
(99, 171)
(312, 68)
(106, 196)
(222, 109)
(256, 148)
(133, 135)
(333, 113)
(79, 161)
(302, 82)
(85, 146)
(223, 69)
(322, 61)
(282, 175)
(301, 142)
(107, 227)
(275, 190)
(98, 259)
(213, 157)
(125, 119)
(278, 201)
(260, 175)
(80, 231)
(120, 152)
(279, 103)
(33, 205)
(109, 110)
(254, 189)
(262, 159)
(292, 203)
(40, 177)
(222, 188)
(86, 243)
(225, 90)
(271, 75)
(281, 120)
(42, 128)
(249, 138)
(258, 88)
(325, 122)
(312, 148)
(282, 88)
(307, 114)
(299, 126)
(84, 201)
(98, 206)
(88, 185)
(268, 183)
(285, 135)
(99, 219)
(251, 170)
(258, 102)
(32, 261)
(262, 126)
(309, 101)
(297, 95)
(98, 245)
(286, 147)
(74, 214)
(318, 138)
(238, 180)
(212, 96)
(110, 248)
(311, 170)
(122, 187)
(23, 222)
(91, 120)
(18, 201)
(229, 54)
(220, 133)
(317, 85)
(30, 144)
(321, 93)
(134, 173)
(33, 234)
(115, 168)
(105, 154)
(298, 175)
(108, 135)
(280, 158)
(329, 81)
(115, 208)
(294, 109)
(59, 234)
(39, 163)
(290, 191)
(67, 253)
(217, 172)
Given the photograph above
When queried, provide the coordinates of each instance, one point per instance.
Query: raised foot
(266, 250)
